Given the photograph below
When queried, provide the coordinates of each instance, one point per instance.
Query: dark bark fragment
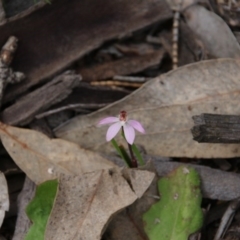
(25, 109)
(215, 128)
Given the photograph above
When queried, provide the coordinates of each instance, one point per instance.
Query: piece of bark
(7, 75)
(25, 109)
(124, 66)
(23, 223)
(2, 12)
(216, 128)
(87, 24)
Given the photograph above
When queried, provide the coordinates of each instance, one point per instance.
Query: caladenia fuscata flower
(128, 127)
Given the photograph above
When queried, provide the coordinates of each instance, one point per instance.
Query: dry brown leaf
(85, 203)
(165, 106)
(42, 158)
(214, 33)
(4, 199)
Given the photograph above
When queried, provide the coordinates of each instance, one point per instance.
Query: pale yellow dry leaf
(42, 158)
(4, 198)
(214, 33)
(86, 203)
(165, 106)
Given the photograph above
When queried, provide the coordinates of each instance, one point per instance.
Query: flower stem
(134, 163)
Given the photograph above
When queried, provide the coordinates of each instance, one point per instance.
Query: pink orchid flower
(129, 127)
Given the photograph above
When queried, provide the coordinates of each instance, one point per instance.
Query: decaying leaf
(128, 224)
(165, 106)
(4, 199)
(86, 203)
(214, 33)
(85, 178)
(42, 158)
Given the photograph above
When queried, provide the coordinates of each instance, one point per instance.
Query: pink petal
(136, 125)
(113, 130)
(129, 133)
(108, 120)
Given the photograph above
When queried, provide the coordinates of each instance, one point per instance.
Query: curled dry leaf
(85, 203)
(4, 199)
(214, 33)
(165, 106)
(42, 158)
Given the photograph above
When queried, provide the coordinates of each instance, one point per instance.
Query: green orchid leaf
(122, 152)
(178, 213)
(39, 209)
(138, 155)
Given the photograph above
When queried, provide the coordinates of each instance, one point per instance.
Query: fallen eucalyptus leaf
(212, 30)
(86, 203)
(165, 106)
(128, 224)
(4, 199)
(42, 158)
(39, 209)
(178, 213)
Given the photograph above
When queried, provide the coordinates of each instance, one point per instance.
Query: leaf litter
(216, 82)
(91, 189)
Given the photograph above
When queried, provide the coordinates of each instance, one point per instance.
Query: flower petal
(108, 120)
(129, 133)
(136, 125)
(113, 130)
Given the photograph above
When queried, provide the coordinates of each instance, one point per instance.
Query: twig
(227, 218)
(84, 106)
(131, 79)
(175, 34)
(116, 83)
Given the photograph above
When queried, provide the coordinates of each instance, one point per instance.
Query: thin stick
(72, 106)
(175, 34)
(116, 83)
(130, 79)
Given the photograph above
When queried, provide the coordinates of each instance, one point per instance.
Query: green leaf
(178, 213)
(138, 155)
(122, 152)
(39, 209)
